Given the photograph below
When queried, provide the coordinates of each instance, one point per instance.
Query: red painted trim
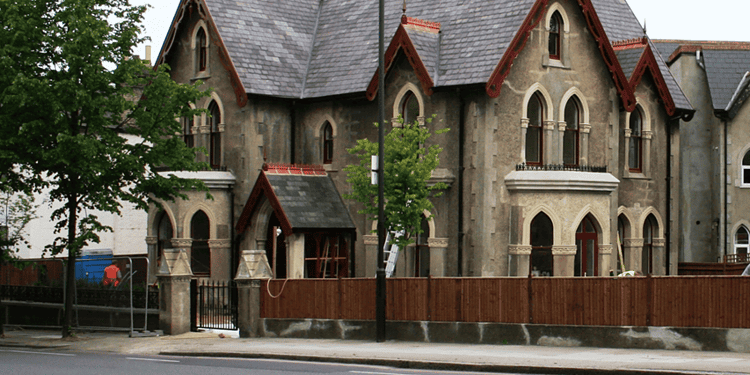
(402, 42)
(262, 188)
(648, 63)
(514, 48)
(605, 47)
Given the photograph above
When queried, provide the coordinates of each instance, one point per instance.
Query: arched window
(555, 29)
(635, 153)
(541, 245)
(215, 141)
(534, 133)
(187, 130)
(327, 143)
(200, 254)
(746, 169)
(410, 108)
(741, 241)
(422, 251)
(201, 50)
(164, 235)
(571, 138)
(650, 228)
(587, 252)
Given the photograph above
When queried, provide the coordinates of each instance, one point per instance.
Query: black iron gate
(213, 305)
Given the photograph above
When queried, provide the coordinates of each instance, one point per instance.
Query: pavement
(427, 356)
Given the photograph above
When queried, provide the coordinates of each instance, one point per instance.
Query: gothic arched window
(534, 133)
(555, 32)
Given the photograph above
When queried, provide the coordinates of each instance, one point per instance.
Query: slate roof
(666, 48)
(725, 70)
(313, 48)
(310, 202)
(629, 59)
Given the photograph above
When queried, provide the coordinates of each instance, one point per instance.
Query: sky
(665, 19)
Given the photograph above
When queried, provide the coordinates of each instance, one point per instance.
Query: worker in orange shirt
(112, 275)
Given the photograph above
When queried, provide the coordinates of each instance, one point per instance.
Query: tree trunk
(70, 286)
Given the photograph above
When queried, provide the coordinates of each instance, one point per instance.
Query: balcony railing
(561, 167)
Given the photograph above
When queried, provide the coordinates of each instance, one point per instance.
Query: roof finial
(404, 20)
(644, 27)
(404, 8)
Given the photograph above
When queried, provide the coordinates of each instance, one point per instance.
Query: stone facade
(491, 220)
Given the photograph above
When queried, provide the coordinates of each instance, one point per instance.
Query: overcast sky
(665, 19)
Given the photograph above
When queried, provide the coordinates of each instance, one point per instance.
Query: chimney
(148, 54)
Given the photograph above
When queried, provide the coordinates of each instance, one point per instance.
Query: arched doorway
(650, 228)
(276, 248)
(164, 234)
(422, 251)
(200, 253)
(541, 246)
(587, 252)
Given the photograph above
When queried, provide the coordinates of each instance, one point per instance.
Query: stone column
(659, 256)
(295, 261)
(524, 130)
(606, 263)
(371, 255)
(632, 249)
(563, 260)
(646, 152)
(584, 151)
(152, 244)
(438, 248)
(520, 260)
(174, 292)
(550, 146)
(220, 256)
(561, 126)
(253, 268)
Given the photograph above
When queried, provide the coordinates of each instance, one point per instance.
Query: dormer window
(635, 152)
(555, 28)
(327, 143)
(215, 141)
(201, 49)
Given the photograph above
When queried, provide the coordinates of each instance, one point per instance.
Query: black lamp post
(380, 273)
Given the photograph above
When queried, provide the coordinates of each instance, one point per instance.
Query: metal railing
(213, 305)
(561, 167)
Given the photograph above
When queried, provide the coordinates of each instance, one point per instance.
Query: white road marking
(153, 360)
(45, 353)
(374, 373)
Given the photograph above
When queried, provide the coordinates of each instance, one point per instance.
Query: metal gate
(213, 305)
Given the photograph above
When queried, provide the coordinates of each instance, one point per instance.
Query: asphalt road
(25, 361)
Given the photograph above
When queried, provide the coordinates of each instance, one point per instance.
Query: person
(112, 275)
(746, 272)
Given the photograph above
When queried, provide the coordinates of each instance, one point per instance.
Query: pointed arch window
(327, 143)
(555, 28)
(571, 138)
(201, 50)
(215, 138)
(163, 235)
(647, 255)
(635, 152)
(541, 246)
(534, 133)
(587, 252)
(422, 250)
(742, 241)
(187, 130)
(410, 108)
(200, 253)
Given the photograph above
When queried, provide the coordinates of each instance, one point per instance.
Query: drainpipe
(292, 131)
(460, 178)
(724, 188)
(668, 224)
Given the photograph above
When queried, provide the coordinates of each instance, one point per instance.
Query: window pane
(746, 175)
(634, 158)
(742, 236)
(410, 109)
(541, 231)
(533, 145)
(746, 160)
(590, 258)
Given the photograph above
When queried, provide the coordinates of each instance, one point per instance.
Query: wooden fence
(676, 301)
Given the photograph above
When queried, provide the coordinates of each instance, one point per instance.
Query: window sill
(329, 167)
(636, 176)
(202, 76)
(551, 63)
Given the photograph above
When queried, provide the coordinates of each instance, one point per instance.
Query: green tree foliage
(408, 166)
(84, 119)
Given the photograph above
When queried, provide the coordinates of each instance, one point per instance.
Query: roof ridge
(312, 48)
(619, 45)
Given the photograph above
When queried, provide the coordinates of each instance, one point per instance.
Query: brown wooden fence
(677, 301)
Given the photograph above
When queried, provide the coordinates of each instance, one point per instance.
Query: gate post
(174, 292)
(252, 269)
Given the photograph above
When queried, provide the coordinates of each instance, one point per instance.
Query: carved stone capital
(564, 250)
(167, 279)
(204, 129)
(421, 120)
(524, 123)
(395, 123)
(586, 128)
(606, 249)
(437, 242)
(182, 243)
(219, 244)
(628, 132)
(561, 126)
(519, 249)
(194, 129)
(659, 242)
(647, 134)
(371, 240)
(633, 242)
(152, 240)
(222, 127)
(549, 125)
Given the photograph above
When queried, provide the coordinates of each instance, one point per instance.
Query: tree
(84, 119)
(408, 166)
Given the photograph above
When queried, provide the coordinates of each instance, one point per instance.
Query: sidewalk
(489, 358)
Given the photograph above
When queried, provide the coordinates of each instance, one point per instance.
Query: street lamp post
(380, 273)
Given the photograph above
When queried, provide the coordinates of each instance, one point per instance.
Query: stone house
(714, 149)
(564, 122)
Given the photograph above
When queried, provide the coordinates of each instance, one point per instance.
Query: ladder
(391, 253)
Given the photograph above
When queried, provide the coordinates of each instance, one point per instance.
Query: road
(29, 361)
